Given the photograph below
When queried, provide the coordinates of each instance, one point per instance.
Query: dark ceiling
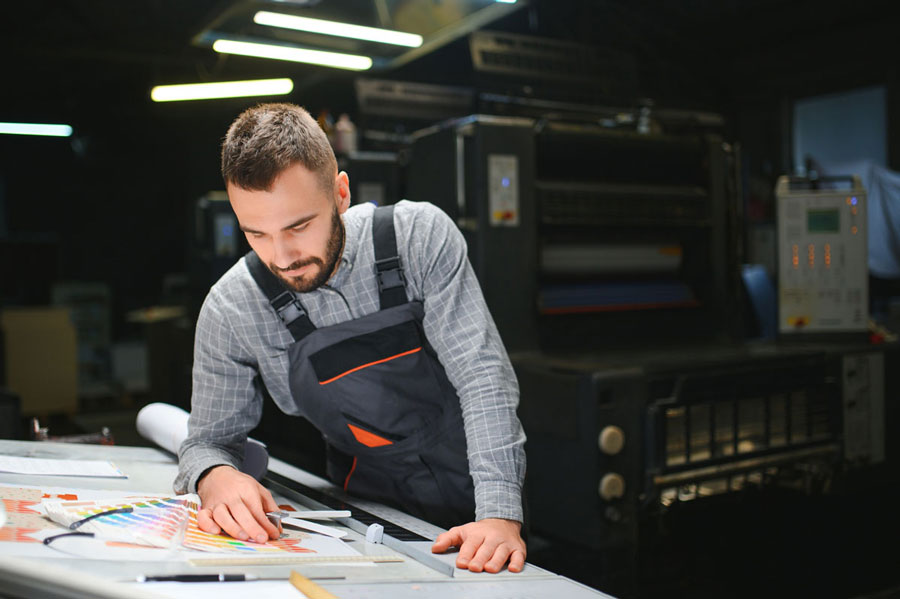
(61, 56)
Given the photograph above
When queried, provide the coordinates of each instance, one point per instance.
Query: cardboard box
(41, 357)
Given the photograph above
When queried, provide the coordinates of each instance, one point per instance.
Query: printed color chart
(158, 522)
(162, 522)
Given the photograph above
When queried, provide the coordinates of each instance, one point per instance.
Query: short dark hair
(269, 138)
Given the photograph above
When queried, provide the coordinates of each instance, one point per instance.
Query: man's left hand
(485, 545)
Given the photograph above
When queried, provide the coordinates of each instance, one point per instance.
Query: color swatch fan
(157, 522)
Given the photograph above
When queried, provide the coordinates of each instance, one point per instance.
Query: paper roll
(167, 426)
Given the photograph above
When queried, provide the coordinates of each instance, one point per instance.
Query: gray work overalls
(375, 389)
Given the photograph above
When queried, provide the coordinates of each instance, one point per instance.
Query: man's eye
(300, 228)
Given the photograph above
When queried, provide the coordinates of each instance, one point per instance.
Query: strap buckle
(389, 272)
(288, 307)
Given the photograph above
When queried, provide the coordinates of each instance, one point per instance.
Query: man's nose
(285, 255)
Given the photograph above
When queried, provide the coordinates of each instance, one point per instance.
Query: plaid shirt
(240, 338)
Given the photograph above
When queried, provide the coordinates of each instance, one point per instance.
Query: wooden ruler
(308, 587)
(286, 560)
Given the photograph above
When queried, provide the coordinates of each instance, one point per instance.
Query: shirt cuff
(498, 499)
(191, 468)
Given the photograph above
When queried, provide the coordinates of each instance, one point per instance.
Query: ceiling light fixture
(372, 34)
(221, 89)
(35, 129)
(352, 62)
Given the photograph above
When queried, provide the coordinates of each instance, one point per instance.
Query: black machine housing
(660, 442)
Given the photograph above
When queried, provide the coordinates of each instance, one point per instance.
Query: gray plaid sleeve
(462, 332)
(226, 401)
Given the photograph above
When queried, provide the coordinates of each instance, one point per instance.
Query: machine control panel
(822, 259)
(503, 190)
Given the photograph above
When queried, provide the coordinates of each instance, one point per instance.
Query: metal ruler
(284, 560)
(320, 500)
(394, 536)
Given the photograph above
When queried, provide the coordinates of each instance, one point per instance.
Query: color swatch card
(170, 522)
(23, 514)
(157, 522)
(291, 542)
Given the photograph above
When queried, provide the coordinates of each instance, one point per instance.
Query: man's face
(295, 227)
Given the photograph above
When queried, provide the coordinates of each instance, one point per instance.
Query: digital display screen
(823, 221)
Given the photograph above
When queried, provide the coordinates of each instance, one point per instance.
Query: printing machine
(584, 235)
(610, 260)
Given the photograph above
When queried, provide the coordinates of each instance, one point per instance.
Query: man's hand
(234, 502)
(485, 545)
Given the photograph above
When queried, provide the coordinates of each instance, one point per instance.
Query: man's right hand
(234, 502)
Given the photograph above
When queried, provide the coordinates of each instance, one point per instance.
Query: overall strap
(388, 270)
(286, 305)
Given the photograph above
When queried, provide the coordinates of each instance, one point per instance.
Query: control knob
(612, 486)
(611, 439)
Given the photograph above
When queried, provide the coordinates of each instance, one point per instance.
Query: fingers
(516, 561)
(486, 545)
(239, 521)
(268, 502)
(502, 553)
(446, 540)
(206, 523)
(483, 552)
(255, 522)
(468, 548)
(249, 524)
(222, 515)
(236, 504)
(269, 505)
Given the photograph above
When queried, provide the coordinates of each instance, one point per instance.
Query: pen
(220, 578)
(198, 578)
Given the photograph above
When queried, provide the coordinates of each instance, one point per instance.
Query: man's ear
(342, 192)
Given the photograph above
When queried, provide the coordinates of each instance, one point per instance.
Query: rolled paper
(167, 426)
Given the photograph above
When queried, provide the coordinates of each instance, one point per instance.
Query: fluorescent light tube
(221, 89)
(506, 1)
(35, 129)
(372, 34)
(352, 62)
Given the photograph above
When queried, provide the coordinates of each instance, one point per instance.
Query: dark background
(116, 197)
(114, 202)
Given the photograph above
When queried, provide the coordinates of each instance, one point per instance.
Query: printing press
(666, 441)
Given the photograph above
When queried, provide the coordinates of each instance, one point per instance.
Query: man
(369, 323)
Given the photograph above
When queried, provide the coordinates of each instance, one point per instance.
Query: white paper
(319, 528)
(94, 548)
(271, 589)
(317, 514)
(49, 467)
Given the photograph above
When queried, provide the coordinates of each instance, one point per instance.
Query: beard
(326, 264)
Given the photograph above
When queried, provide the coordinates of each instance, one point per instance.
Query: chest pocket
(351, 356)
(382, 383)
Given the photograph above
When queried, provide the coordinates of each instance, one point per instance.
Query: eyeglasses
(49, 540)
(121, 510)
(78, 523)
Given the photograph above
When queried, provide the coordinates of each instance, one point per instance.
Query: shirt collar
(348, 256)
